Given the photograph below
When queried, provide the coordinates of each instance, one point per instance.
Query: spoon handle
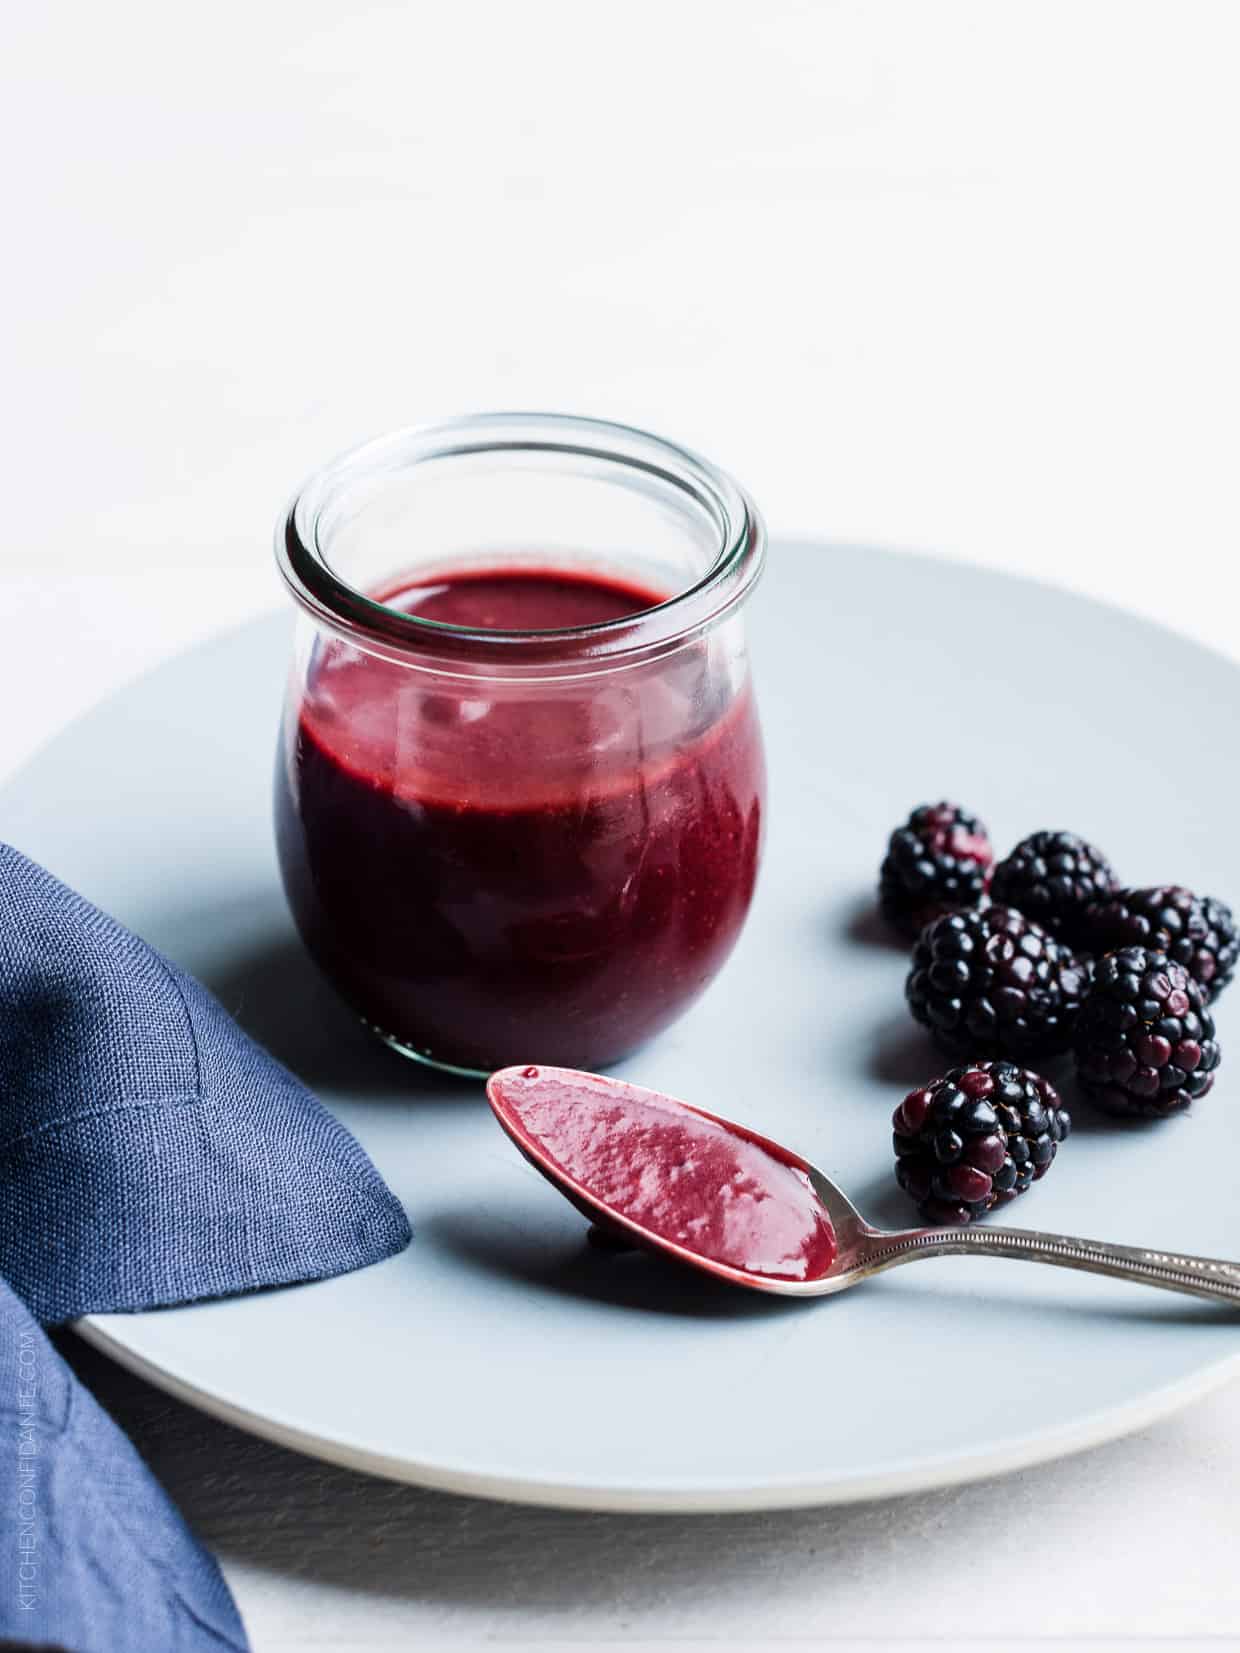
(1199, 1276)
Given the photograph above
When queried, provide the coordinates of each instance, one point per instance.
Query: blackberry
(1052, 877)
(994, 983)
(1145, 1041)
(1192, 930)
(976, 1138)
(937, 862)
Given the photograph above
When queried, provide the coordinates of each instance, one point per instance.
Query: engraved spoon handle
(1210, 1277)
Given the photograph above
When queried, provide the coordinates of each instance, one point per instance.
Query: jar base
(423, 1057)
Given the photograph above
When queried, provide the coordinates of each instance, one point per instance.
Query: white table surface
(954, 276)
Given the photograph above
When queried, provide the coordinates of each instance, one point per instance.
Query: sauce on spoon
(669, 1172)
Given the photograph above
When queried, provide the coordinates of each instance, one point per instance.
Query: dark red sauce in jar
(701, 1183)
(492, 871)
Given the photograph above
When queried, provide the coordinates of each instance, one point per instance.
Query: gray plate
(498, 1356)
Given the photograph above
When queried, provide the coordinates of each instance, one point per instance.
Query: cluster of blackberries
(1038, 954)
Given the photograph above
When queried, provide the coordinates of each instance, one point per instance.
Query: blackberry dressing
(490, 875)
(711, 1187)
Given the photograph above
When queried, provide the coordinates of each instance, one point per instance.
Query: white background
(961, 277)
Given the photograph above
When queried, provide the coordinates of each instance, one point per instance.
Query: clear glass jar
(520, 785)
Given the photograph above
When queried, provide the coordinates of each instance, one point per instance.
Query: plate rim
(922, 1475)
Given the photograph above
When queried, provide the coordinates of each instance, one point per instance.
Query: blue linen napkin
(93, 1556)
(150, 1152)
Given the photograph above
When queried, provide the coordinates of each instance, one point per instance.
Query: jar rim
(349, 612)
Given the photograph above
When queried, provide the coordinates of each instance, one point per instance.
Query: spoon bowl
(655, 1173)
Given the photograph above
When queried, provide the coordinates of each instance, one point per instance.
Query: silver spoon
(861, 1250)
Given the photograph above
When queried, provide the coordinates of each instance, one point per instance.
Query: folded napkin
(93, 1557)
(151, 1153)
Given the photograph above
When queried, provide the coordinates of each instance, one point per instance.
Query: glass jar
(520, 786)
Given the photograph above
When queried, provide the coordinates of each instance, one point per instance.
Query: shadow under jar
(520, 786)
